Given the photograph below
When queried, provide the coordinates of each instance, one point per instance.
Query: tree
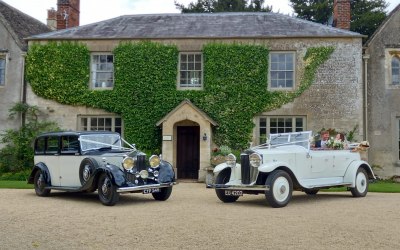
(17, 154)
(366, 15)
(211, 6)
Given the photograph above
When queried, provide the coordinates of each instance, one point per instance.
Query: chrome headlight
(144, 174)
(231, 160)
(154, 161)
(255, 160)
(128, 163)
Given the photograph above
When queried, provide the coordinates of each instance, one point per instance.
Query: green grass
(15, 185)
(376, 187)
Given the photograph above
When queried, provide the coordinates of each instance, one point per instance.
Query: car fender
(222, 166)
(166, 173)
(350, 175)
(116, 175)
(271, 166)
(40, 167)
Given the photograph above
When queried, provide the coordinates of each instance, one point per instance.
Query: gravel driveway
(193, 217)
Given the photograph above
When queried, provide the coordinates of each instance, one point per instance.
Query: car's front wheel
(279, 188)
(107, 191)
(222, 178)
(40, 184)
(361, 187)
(163, 195)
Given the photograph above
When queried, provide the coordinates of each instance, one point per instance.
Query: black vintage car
(97, 160)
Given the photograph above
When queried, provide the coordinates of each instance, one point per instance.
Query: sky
(98, 10)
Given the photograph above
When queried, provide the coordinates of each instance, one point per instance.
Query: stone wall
(384, 99)
(11, 92)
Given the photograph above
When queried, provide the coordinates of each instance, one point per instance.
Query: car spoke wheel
(280, 189)
(40, 184)
(361, 185)
(163, 195)
(107, 191)
(222, 178)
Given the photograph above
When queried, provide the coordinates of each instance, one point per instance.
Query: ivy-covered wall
(145, 89)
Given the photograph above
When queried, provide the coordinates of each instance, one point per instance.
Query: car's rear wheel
(361, 187)
(163, 195)
(107, 191)
(312, 191)
(222, 178)
(280, 188)
(40, 184)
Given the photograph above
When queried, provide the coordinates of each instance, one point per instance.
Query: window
(2, 70)
(281, 70)
(52, 145)
(279, 124)
(94, 123)
(396, 70)
(399, 139)
(69, 144)
(191, 70)
(102, 71)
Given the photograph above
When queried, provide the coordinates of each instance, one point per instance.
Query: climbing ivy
(235, 85)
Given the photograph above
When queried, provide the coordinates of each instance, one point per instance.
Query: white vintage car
(287, 163)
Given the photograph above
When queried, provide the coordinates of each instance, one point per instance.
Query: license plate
(151, 190)
(233, 193)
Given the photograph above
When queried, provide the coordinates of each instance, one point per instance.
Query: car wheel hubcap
(86, 173)
(104, 187)
(361, 182)
(281, 189)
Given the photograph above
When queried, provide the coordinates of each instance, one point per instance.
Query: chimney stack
(52, 19)
(341, 14)
(66, 16)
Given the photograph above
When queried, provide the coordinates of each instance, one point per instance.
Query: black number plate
(151, 190)
(233, 192)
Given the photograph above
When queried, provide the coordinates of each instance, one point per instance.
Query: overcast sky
(99, 10)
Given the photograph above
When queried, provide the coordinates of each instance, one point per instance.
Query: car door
(69, 161)
(51, 159)
(321, 163)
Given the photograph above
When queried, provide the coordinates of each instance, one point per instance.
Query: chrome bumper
(139, 188)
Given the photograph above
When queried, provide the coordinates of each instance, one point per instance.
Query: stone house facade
(382, 69)
(334, 100)
(14, 27)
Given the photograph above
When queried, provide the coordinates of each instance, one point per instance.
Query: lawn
(15, 185)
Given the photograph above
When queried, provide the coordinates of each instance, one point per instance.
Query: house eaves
(183, 103)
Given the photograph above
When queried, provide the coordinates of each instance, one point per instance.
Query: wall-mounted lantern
(205, 137)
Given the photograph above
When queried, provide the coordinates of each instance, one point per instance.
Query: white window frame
(114, 127)
(397, 69)
(3, 70)
(262, 139)
(95, 83)
(196, 83)
(272, 69)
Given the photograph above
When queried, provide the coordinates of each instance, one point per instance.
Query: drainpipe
(23, 89)
(365, 132)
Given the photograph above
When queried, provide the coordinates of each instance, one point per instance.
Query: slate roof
(20, 25)
(215, 25)
(383, 25)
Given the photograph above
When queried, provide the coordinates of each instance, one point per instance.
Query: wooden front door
(188, 152)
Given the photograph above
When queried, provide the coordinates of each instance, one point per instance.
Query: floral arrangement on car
(219, 154)
(333, 143)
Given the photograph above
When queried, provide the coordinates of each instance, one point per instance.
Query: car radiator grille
(249, 173)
